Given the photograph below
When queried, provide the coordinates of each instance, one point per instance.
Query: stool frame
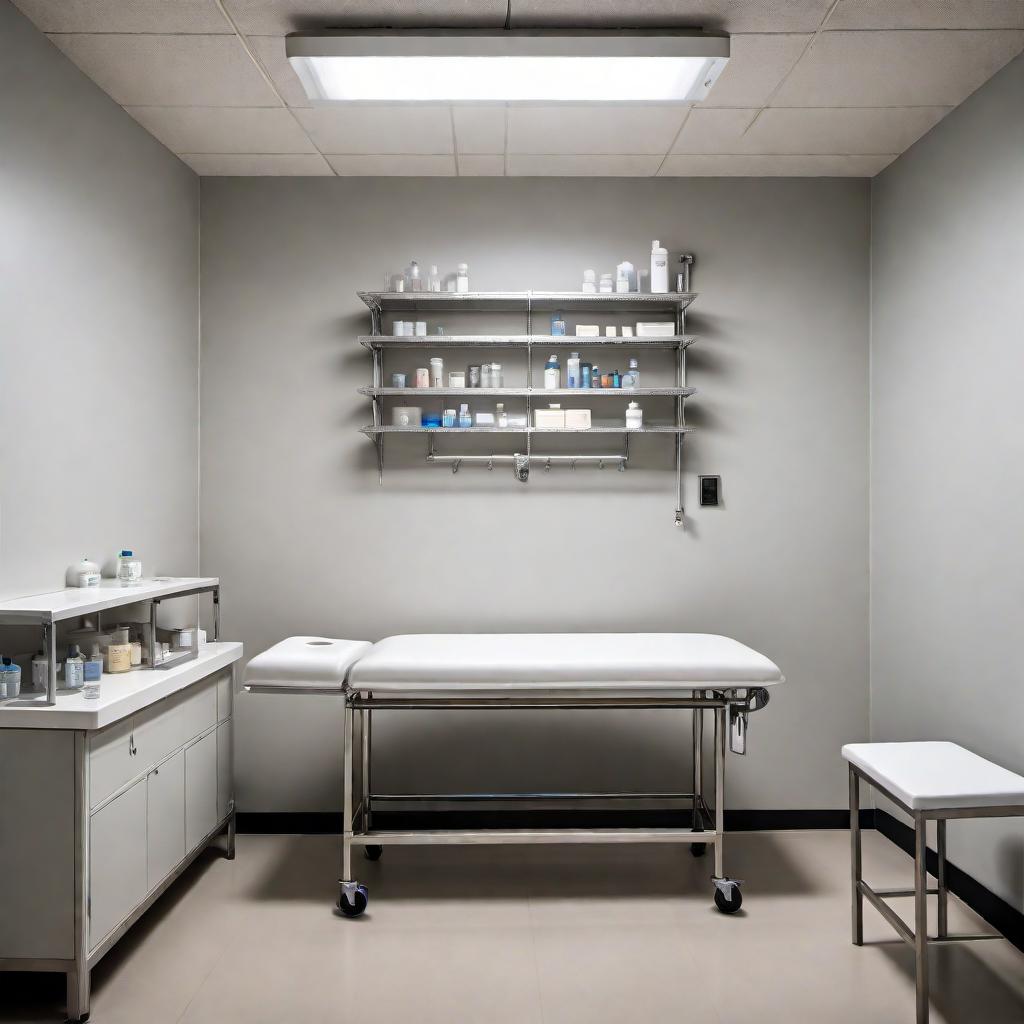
(917, 937)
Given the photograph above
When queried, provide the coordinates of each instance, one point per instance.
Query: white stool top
(936, 774)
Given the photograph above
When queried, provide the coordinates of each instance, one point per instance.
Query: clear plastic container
(129, 568)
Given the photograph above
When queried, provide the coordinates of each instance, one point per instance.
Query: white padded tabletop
(936, 774)
(560, 661)
(307, 662)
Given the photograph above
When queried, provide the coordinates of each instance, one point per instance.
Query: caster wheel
(731, 903)
(698, 849)
(355, 907)
(373, 852)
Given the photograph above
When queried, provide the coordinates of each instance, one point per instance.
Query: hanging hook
(547, 466)
(572, 465)
(490, 464)
(455, 466)
(600, 463)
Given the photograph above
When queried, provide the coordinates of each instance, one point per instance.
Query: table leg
(856, 860)
(921, 916)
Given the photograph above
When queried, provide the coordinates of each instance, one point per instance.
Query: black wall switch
(711, 490)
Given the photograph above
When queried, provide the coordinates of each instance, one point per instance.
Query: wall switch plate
(711, 491)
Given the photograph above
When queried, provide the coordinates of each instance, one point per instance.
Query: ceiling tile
(589, 166)
(775, 166)
(224, 129)
(481, 166)
(714, 130)
(594, 129)
(390, 166)
(376, 129)
(756, 66)
(245, 165)
(270, 51)
(278, 17)
(876, 14)
(807, 130)
(893, 69)
(200, 16)
(711, 15)
(479, 129)
(172, 71)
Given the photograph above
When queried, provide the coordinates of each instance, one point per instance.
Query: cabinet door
(165, 815)
(111, 763)
(200, 790)
(224, 769)
(117, 860)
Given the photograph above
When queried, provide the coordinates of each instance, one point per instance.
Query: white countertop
(120, 695)
(74, 601)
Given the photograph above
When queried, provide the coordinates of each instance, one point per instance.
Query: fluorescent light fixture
(470, 66)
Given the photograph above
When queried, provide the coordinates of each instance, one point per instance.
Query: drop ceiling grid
(814, 87)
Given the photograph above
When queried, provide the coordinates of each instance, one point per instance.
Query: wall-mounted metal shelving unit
(672, 304)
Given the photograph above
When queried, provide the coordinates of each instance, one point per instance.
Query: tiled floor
(462, 935)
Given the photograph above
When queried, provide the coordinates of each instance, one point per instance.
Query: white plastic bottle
(634, 416)
(434, 280)
(462, 278)
(631, 378)
(659, 268)
(572, 371)
(552, 374)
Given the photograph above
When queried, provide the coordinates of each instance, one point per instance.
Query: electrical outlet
(711, 491)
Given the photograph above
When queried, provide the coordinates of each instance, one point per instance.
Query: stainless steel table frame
(918, 936)
(730, 707)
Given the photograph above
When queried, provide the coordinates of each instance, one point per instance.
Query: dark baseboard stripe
(329, 822)
(985, 903)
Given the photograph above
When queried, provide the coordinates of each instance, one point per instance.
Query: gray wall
(307, 542)
(947, 372)
(99, 307)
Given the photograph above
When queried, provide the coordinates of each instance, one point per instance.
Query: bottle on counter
(83, 574)
(129, 568)
(10, 679)
(631, 378)
(74, 669)
(119, 652)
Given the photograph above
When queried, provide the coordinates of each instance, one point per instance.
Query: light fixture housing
(512, 66)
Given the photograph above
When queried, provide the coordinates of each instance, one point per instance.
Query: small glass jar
(497, 377)
(473, 376)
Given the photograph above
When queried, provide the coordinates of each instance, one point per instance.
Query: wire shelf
(372, 341)
(527, 392)
(512, 301)
(660, 428)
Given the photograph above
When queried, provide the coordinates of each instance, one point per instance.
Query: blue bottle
(585, 370)
(616, 379)
(557, 325)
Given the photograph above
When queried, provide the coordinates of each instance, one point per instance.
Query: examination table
(541, 671)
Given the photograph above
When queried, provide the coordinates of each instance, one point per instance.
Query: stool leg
(855, 860)
(921, 916)
(940, 843)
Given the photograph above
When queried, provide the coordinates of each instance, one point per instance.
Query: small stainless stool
(931, 781)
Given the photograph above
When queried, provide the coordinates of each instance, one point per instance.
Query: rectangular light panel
(507, 67)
